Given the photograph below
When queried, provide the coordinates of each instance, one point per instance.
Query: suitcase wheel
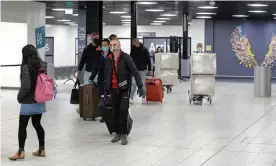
(84, 119)
(110, 133)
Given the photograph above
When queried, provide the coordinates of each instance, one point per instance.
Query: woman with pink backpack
(30, 78)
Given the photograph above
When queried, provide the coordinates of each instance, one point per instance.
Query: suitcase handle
(151, 82)
(87, 100)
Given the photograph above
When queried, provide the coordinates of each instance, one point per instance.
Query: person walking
(119, 70)
(100, 69)
(90, 57)
(142, 60)
(30, 68)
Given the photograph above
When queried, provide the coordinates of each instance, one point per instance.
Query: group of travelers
(99, 58)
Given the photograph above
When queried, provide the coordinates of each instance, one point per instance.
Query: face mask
(199, 49)
(105, 49)
(113, 49)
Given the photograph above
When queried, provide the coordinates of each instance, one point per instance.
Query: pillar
(184, 60)
(133, 26)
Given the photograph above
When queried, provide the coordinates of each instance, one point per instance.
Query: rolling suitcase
(89, 101)
(107, 114)
(154, 90)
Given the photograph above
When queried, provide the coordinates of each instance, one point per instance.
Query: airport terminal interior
(218, 106)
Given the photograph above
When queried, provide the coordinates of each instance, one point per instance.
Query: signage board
(40, 37)
(49, 46)
(146, 34)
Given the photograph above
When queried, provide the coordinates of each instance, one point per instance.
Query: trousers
(22, 131)
(143, 75)
(120, 106)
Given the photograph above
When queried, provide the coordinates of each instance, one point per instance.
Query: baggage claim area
(215, 73)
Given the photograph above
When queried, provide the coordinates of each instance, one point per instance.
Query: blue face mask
(105, 49)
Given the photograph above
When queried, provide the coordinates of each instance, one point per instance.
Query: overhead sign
(40, 37)
(49, 46)
(146, 34)
(153, 43)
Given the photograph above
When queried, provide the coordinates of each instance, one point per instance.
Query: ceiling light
(59, 9)
(204, 13)
(117, 12)
(274, 14)
(126, 20)
(257, 5)
(168, 15)
(154, 10)
(75, 14)
(69, 11)
(146, 3)
(63, 20)
(256, 11)
(203, 17)
(126, 16)
(156, 23)
(49, 17)
(274, 18)
(159, 21)
(239, 15)
(163, 18)
(207, 7)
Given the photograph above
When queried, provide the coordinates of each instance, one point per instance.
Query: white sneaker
(130, 101)
(144, 101)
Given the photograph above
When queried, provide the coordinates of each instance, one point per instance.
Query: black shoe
(116, 138)
(124, 140)
(102, 120)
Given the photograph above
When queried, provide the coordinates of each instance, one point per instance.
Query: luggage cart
(202, 81)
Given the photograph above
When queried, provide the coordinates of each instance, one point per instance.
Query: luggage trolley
(202, 81)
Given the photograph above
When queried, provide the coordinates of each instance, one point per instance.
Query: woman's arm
(25, 83)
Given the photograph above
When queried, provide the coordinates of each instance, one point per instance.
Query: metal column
(262, 81)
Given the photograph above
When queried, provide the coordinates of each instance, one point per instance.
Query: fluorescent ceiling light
(239, 15)
(205, 13)
(159, 21)
(126, 16)
(104, 23)
(118, 12)
(203, 17)
(59, 9)
(163, 18)
(154, 10)
(207, 7)
(156, 23)
(146, 3)
(75, 14)
(69, 11)
(274, 14)
(168, 15)
(274, 18)
(256, 11)
(257, 5)
(49, 17)
(63, 20)
(126, 20)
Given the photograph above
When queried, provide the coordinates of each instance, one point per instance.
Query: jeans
(143, 75)
(120, 105)
(22, 131)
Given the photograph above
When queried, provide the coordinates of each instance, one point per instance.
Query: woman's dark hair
(31, 58)
(158, 48)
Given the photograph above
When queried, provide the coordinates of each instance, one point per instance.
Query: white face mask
(113, 49)
(199, 49)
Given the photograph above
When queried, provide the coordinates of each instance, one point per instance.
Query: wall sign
(146, 34)
(40, 37)
(49, 46)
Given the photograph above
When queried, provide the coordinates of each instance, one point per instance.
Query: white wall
(64, 43)
(18, 22)
(64, 36)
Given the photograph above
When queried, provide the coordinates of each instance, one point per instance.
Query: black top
(89, 57)
(99, 69)
(28, 83)
(126, 69)
(141, 58)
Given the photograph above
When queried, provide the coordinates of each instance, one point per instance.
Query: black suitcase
(108, 116)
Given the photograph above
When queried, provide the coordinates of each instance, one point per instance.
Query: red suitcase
(154, 90)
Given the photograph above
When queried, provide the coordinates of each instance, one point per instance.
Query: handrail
(10, 65)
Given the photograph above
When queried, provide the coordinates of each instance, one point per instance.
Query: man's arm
(83, 59)
(147, 54)
(134, 71)
(95, 71)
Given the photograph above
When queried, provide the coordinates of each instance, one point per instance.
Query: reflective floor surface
(236, 130)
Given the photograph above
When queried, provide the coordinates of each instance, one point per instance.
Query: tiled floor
(236, 130)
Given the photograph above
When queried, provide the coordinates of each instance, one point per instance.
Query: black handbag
(75, 99)
(106, 101)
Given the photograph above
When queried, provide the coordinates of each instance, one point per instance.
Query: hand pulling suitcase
(89, 101)
(108, 117)
(154, 90)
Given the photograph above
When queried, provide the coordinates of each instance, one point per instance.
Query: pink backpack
(44, 90)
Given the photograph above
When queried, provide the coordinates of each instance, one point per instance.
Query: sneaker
(18, 155)
(144, 101)
(39, 153)
(116, 138)
(124, 140)
(130, 101)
